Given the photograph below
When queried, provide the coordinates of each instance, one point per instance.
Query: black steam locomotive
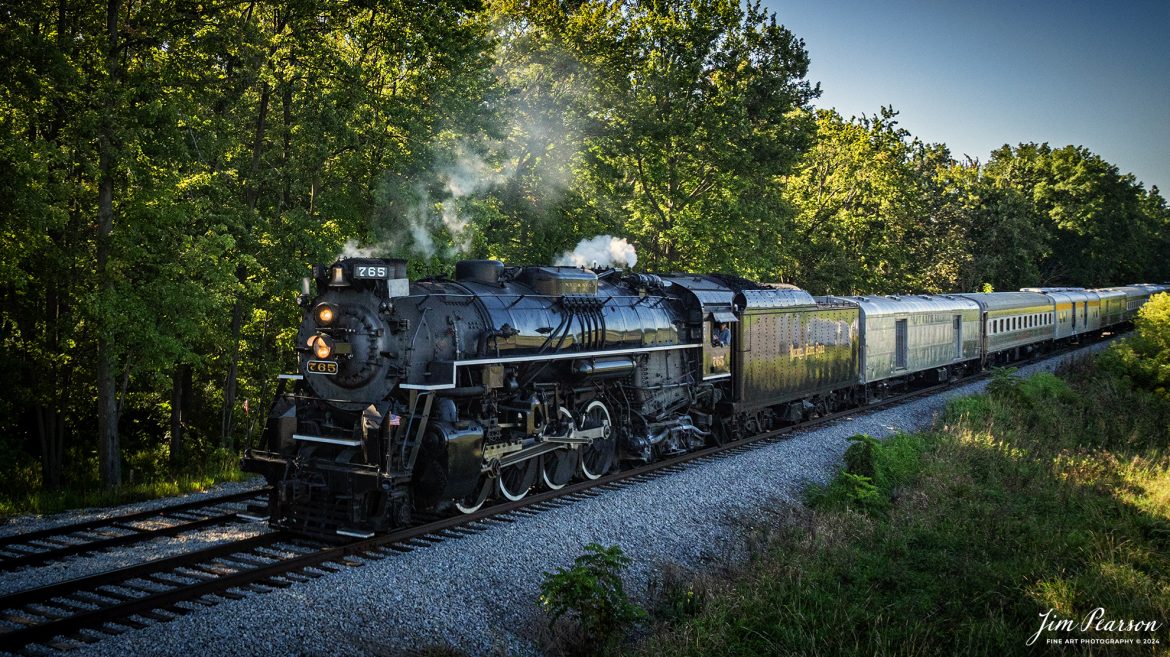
(440, 392)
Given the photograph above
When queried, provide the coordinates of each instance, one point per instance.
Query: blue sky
(978, 74)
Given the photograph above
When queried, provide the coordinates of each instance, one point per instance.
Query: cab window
(720, 333)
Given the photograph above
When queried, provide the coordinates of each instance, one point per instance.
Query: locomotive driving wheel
(558, 466)
(516, 480)
(475, 500)
(597, 457)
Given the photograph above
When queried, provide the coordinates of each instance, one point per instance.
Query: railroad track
(62, 615)
(59, 616)
(37, 548)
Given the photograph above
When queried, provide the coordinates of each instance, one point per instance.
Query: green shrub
(860, 490)
(897, 461)
(859, 458)
(873, 471)
(1042, 389)
(592, 591)
(148, 465)
(976, 410)
(1145, 356)
(1004, 383)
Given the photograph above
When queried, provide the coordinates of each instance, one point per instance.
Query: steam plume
(600, 251)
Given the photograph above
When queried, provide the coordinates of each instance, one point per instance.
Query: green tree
(1091, 214)
(173, 173)
(858, 198)
(1001, 235)
(686, 112)
(705, 103)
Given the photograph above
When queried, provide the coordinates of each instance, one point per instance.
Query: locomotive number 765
(366, 271)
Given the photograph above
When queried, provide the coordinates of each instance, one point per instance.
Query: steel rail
(30, 549)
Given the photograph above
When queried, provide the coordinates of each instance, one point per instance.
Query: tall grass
(1045, 494)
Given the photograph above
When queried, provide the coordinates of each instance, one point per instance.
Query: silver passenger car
(1113, 302)
(1078, 311)
(1014, 320)
(907, 334)
(1135, 297)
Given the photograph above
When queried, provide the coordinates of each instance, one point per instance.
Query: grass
(155, 481)
(1045, 495)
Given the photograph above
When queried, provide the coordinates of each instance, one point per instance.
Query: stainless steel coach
(904, 335)
(1014, 323)
(1078, 311)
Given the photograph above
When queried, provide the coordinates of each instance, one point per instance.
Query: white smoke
(353, 250)
(535, 153)
(468, 175)
(417, 226)
(418, 220)
(456, 224)
(600, 251)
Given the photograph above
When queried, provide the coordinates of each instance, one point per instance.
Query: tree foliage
(171, 171)
(878, 211)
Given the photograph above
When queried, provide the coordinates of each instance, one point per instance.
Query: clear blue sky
(977, 75)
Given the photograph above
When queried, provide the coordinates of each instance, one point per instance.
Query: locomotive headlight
(324, 314)
(322, 346)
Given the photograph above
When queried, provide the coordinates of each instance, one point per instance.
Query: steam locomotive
(443, 394)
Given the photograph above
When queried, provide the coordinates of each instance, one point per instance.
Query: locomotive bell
(337, 277)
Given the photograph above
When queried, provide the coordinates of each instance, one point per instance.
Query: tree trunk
(229, 388)
(180, 394)
(252, 191)
(51, 431)
(48, 413)
(109, 458)
(286, 98)
(251, 197)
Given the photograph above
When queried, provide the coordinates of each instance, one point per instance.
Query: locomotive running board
(329, 441)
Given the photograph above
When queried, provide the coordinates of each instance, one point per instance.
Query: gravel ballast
(479, 593)
(127, 555)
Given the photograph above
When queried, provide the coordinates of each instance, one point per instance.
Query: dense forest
(171, 169)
